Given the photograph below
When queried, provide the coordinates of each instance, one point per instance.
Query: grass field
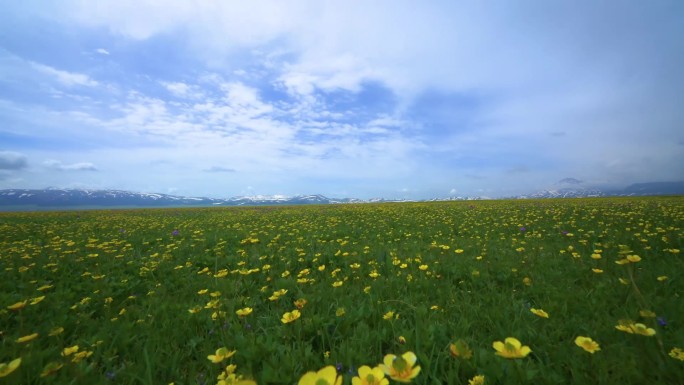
(146, 296)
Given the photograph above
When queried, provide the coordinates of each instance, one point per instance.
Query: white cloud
(65, 77)
(102, 51)
(10, 160)
(80, 166)
(183, 90)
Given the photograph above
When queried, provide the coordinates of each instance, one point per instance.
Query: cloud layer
(386, 99)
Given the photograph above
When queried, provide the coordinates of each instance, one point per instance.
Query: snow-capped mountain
(24, 199)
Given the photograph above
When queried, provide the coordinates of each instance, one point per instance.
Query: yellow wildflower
(220, 355)
(69, 351)
(400, 369)
(662, 278)
(56, 331)
(51, 368)
(290, 316)
(18, 305)
(244, 312)
(539, 312)
(477, 380)
(677, 354)
(27, 338)
(647, 314)
(325, 376)
(587, 344)
(511, 348)
(460, 349)
(368, 376)
(597, 271)
(7, 368)
(300, 303)
(635, 328)
(388, 315)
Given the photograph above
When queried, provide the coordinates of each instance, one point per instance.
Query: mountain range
(52, 198)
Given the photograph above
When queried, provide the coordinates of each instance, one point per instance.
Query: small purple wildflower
(339, 367)
(564, 232)
(175, 233)
(661, 321)
(523, 229)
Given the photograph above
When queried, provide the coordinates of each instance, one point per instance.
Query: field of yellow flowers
(489, 292)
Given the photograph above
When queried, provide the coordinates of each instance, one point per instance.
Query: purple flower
(564, 232)
(523, 229)
(339, 367)
(174, 233)
(661, 321)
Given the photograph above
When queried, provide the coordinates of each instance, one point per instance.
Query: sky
(363, 99)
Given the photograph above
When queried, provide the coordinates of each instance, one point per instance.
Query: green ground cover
(146, 296)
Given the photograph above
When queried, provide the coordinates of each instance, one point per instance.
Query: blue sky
(394, 99)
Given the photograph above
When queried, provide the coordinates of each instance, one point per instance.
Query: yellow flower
(56, 331)
(477, 380)
(512, 348)
(677, 354)
(624, 281)
(290, 316)
(662, 278)
(527, 281)
(81, 355)
(340, 312)
(51, 368)
(635, 328)
(647, 314)
(539, 312)
(220, 355)
(18, 305)
(460, 349)
(7, 368)
(203, 291)
(633, 258)
(228, 377)
(36, 300)
(388, 315)
(300, 303)
(587, 344)
(400, 369)
(69, 351)
(337, 283)
(27, 338)
(325, 376)
(640, 328)
(368, 376)
(597, 271)
(244, 312)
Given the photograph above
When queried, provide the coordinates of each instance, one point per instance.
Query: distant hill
(52, 198)
(655, 188)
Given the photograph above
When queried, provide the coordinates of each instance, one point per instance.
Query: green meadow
(591, 288)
